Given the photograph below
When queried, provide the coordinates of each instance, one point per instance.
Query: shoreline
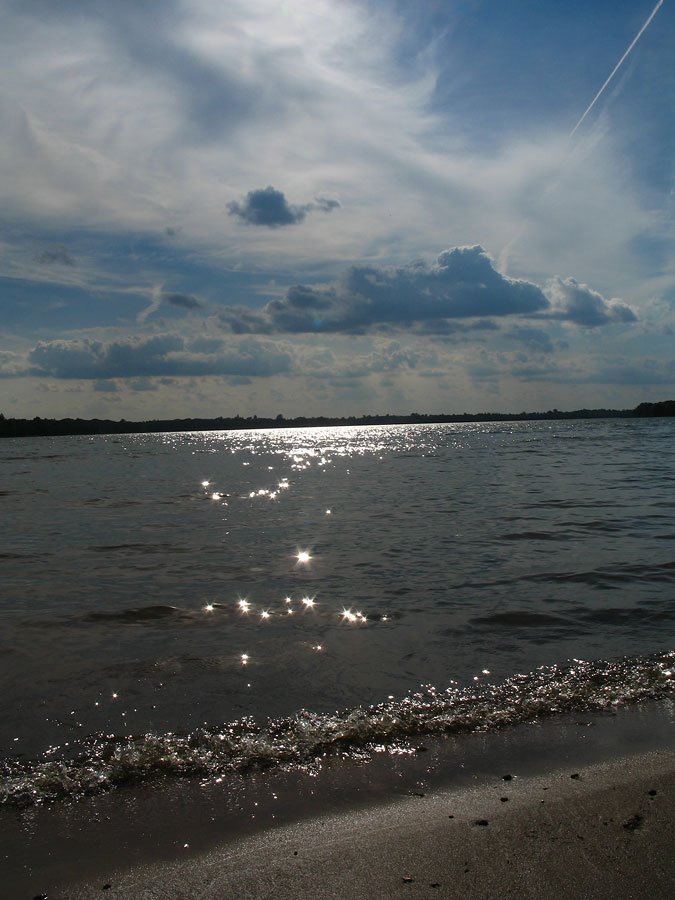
(154, 841)
(602, 831)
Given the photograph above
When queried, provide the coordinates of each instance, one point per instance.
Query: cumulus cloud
(461, 283)
(582, 305)
(270, 208)
(165, 355)
(11, 364)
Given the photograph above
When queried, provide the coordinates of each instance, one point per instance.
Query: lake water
(204, 603)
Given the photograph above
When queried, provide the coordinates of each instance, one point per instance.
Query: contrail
(618, 65)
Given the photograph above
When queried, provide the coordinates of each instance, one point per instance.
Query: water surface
(180, 584)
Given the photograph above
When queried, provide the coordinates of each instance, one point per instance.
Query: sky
(253, 207)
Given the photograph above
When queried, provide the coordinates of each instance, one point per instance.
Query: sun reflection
(205, 483)
(309, 602)
(348, 616)
(265, 614)
(209, 607)
(329, 511)
(244, 605)
(303, 556)
(244, 658)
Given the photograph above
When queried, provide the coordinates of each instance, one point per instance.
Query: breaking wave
(102, 762)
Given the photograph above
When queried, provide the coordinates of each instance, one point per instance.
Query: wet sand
(600, 831)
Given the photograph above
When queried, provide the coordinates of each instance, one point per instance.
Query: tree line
(42, 427)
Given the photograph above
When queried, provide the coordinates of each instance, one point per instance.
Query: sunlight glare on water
(339, 566)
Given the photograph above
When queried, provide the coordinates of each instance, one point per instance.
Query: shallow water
(156, 584)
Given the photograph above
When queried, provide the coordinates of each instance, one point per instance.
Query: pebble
(634, 822)
(481, 822)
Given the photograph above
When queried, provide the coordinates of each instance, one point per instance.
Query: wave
(139, 614)
(102, 762)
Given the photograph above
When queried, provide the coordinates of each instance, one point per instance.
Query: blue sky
(262, 207)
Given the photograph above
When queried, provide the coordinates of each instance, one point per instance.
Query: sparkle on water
(524, 696)
(99, 762)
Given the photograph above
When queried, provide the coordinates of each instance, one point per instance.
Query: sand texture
(604, 831)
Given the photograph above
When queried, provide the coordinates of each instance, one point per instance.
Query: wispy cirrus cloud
(138, 139)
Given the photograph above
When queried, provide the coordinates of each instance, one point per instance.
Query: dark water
(163, 596)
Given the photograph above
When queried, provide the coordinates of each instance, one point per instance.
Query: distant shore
(41, 427)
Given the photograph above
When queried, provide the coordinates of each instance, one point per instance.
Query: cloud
(106, 386)
(269, 207)
(326, 204)
(582, 305)
(461, 283)
(165, 355)
(57, 255)
(186, 301)
(535, 339)
(11, 364)
(160, 298)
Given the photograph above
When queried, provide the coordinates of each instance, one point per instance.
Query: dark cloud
(326, 204)
(270, 208)
(56, 255)
(162, 355)
(186, 301)
(578, 303)
(461, 283)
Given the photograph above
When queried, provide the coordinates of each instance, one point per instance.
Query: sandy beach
(602, 831)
